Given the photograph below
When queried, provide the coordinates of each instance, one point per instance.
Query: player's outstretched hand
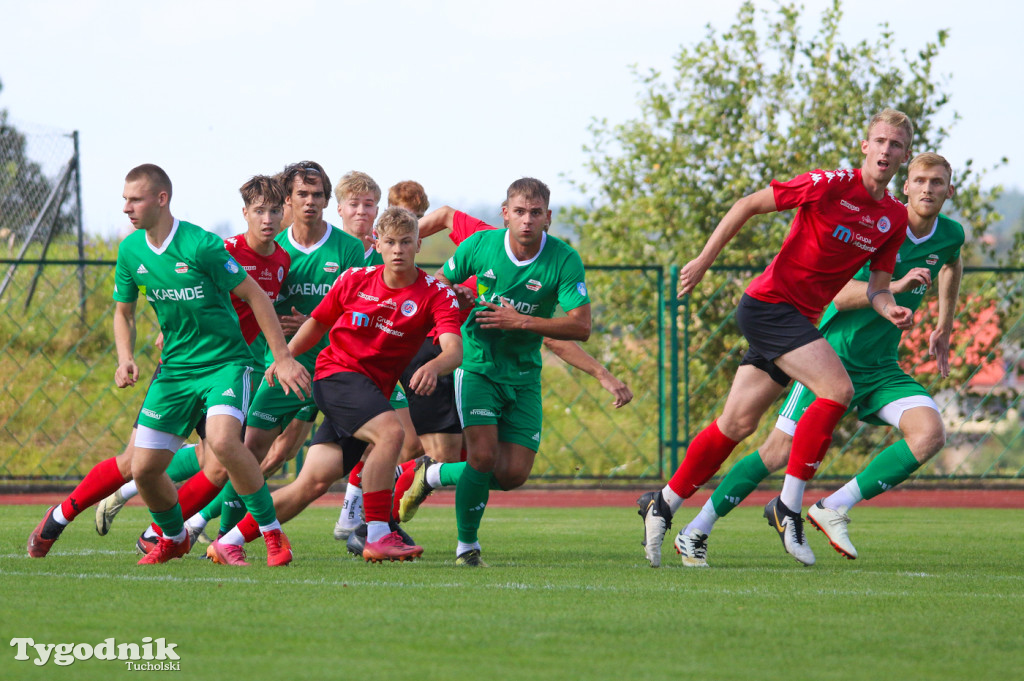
(505, 317)
(465, 296)
(938, 347)
(292, 376)
(424, 380)
(690, 276)
(127, 374)
(917, 276)
(290, 323)
(901, 316)
(619, 390)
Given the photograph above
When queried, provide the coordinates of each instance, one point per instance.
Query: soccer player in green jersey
(187, 274)
(522, 274)
(883, 393)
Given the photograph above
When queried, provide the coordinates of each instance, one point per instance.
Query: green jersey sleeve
(213, 258)
(572, 289)
(125, 288)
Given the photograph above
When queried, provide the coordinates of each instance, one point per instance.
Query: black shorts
(772, 330)
(348, 400)
(436, 412)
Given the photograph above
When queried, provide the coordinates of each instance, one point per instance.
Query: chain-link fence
(60, 412)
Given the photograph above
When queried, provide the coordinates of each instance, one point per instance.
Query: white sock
(233, 537)
(129, 489)
(58, 515)
(197, 522)
(705, 520)
(844, 498)
(376, 530)
(180, 537)
(792, 496)
(276, 525)
(462, 548)
(434, 475)
(352, 510)
(673, 500)
(150, 533)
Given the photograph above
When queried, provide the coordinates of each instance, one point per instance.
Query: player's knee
(927, 443)
(146, 468)
(511, 479)
(839, 391)
(737, 427)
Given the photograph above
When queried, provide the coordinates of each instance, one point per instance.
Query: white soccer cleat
(833, 524)
(657, 520)
(693, 548)
(107, 510)
(790, 527)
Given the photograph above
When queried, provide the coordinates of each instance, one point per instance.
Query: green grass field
(936, 594)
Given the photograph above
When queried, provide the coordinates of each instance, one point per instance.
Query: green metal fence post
(673, 307)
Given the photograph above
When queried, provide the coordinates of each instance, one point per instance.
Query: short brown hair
(355, 182)
(397, 221)
(154, 174)
(262, 188)
(929, 159)
(409, 194)
(307, 170)
(896, 119)
(529, 188)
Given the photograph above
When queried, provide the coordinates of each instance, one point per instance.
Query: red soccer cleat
(166, 550)
(279, 549)
(226, 554)
(390, 547)
(37, 546)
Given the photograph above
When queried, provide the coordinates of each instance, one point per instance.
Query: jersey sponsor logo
(451, 263)
(190, 293)
(483, 412)
(931, 259)
(152, 414)
(883, 224)
(367, 296)
(842, 233)
(232, 266)
(142, 270)
(228, 393)
(521, 307)
(360, 319)
(265, 416)
(489, 274)
(181, 267)
(280, 273)
(308, 289)
(266, 275)
(846, 204)
(331, 267)
(409, 308)
(385, 324)
(533, 285)
(249, 268)
(581, 288)
(388, 304)
(867, 220)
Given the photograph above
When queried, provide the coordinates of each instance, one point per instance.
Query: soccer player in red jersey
(844, 219)
(377, 317)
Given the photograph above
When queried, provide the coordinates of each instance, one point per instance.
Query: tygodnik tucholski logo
(149, 655)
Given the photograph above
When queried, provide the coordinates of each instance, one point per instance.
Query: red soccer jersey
(268, 271)
(377, 330)
(837, 228)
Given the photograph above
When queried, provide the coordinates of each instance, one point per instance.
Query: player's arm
(463, 293)
(292, 375)
(436, 221)
(424, 380)
(758, 203)
(573, 354)
(308, 335)
(949, 290)
(880, 297)
(854, 295)
(574, 326)
(124, 340)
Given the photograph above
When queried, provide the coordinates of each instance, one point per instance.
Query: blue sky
(462, 96)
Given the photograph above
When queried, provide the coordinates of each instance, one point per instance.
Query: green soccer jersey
(372, 257)
(862, 338)
(188, 281)
(553, 276)
(311, 275)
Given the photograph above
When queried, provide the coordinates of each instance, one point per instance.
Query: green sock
(260, 505)
(471, 494)
(184, 464)
(170, 521)
(742, 479)
(893, 465)
(212, 509)
(233, 512)
(451, 472)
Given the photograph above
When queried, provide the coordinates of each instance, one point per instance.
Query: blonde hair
(896, 119)
(355, 182)
(397, 221)
(929, 159)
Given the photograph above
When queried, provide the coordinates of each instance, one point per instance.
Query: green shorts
(398, 398)
(176, 400)
(872, 391)
(271, 408)
(515, 409)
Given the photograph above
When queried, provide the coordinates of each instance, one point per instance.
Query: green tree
(739, 108)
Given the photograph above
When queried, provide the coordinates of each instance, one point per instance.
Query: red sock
(377, 505)
(703, 458)
(402, 485)
(193, 496)
(103, 480)
(813, 436)
(249, 528)
(356, 476)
